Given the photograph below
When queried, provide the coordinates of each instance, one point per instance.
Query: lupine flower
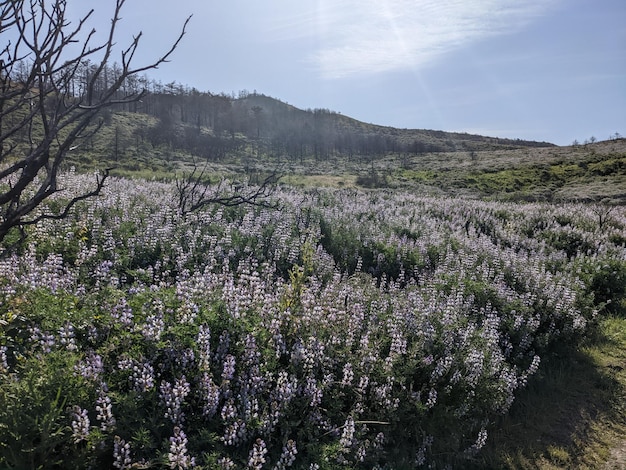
(121, 454)
(184, 358)
(379, 441)
(280, 346)
(384, 396)
(203, 342)
(4, 365)
(229, 368)
(80, 424)
(142, 377)
(347, 435)
(348, 375)
(223, 345)
(123, 313)
(313, 392)
(43, 339)
(125, 364)
(420, 457)
(226, 463)
(361, 452)
(235, 433)
(211, 395)
(177, 456)
(257, 455)
(173, 397)
(481, 440)
(288, 456)
(153, 327)
(286, 388)
(92, 334)
(251, 353)
(104, 410)
(363, 383)
(91, 367)
(67, 338)
(229, 411)
(432, 398)
(270, 418)
(187, 313)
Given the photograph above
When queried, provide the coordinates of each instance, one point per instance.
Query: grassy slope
(275, 114)
(557, 173)
(573, 413)
(591, 172)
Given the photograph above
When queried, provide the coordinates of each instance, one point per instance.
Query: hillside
(356, 328)
(573, 173)
(276, 116)
(220, 128)
(172, 130)
(437, 162)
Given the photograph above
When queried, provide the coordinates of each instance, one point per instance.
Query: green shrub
(606, 280)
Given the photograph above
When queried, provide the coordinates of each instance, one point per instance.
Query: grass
(595, 172)
(573, 413)
(319, 181)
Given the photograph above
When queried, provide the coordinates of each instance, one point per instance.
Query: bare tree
(195, 192)
(54, 83)
(603, 210)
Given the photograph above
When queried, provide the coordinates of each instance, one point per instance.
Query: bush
(385, 331)
(606, 281)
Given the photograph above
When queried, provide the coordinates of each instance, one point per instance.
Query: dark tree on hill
(54, 85)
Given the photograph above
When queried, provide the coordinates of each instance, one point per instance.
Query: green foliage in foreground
(348, 330)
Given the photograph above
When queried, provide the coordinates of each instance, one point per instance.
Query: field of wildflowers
(346, 329)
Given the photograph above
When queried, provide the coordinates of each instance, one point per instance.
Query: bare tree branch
(68, 206)
(194, 192)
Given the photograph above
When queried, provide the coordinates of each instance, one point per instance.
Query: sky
(545, 70)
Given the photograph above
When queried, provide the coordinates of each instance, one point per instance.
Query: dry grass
(591, 171)
(328, 181)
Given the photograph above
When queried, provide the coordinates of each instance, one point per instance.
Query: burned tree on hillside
(54, 84)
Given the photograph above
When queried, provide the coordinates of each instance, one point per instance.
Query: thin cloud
(373, 36)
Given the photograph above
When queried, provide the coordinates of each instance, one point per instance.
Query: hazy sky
(551, 70)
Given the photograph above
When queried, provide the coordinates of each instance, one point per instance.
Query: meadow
(342, 328)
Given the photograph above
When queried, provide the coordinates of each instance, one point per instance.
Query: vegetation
(216, 127)
(496, 171)
(572, 414)
(346, 329)
(400, 299)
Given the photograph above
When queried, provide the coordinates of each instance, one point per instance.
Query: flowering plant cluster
(347, 329)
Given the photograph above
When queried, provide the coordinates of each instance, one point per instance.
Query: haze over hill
(278, 118)
(538, 70)
(215, 127)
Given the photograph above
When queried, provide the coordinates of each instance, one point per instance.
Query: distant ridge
(177, 123)
(279, 115)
